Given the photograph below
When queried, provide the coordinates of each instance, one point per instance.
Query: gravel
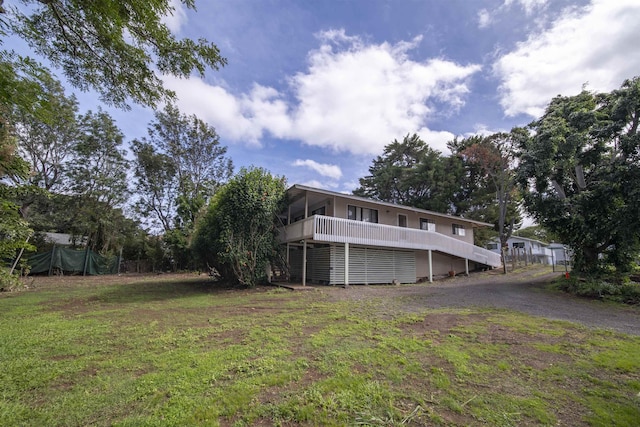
(523, 291)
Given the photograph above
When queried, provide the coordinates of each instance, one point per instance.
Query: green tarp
(72, 261)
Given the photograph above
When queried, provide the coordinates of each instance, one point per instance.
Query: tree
(495, 158)
(580, 174)
(98, 180)
(413, 174)
(155, 183)
(14, 230)
(112, 46)
(179, 167)
(16, 88)
(239, 233)
(46, 137)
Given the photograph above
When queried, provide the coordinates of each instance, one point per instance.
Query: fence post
(53, 254)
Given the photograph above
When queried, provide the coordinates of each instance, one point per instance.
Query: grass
(167, 351)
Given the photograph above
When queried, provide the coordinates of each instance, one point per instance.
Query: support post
(430, 267)
(466, 266)
(119, 261)
(86, 260)
(53, 254)
(13, 267)
(288, 253)
(346, 264)
(304, 263)
(503, 253)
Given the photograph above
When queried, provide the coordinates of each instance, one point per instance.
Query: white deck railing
(338, 230)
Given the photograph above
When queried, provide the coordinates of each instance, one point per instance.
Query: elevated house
(345, 239)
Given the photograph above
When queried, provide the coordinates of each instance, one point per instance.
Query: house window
(458, 230)
(319, 211)
(518, 245)
(492, 246)
(357, 213)
(427, 224)
(402, 221)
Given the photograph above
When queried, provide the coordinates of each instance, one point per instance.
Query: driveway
(524, 291)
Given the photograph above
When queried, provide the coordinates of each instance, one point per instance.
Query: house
(346, 239)
(522, 248)
(533, 251)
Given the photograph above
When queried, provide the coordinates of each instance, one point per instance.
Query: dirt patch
(524, 291)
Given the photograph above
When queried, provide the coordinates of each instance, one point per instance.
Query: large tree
(98, 180)
(114, 47)
(411, 173)
(580, 174)
(494, 157)
(239, 233)
(47, 132)
(179, 167)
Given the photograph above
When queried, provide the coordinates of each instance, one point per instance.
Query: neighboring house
(346, 239)
(531, 250)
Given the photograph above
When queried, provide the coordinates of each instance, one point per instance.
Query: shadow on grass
(162, 290)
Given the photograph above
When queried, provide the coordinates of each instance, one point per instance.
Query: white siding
(373, 265)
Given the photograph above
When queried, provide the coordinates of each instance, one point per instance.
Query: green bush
(613, 289)
(9, 282)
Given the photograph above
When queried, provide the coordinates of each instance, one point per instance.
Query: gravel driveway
(524, 291)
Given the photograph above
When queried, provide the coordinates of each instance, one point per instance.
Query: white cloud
(595, 45)
(529, 6)
(318, 184)
(437, 140)
(176, 19)
(324, 169)
(484, 18)
(481, 129)
(360, 98)
(353, 97)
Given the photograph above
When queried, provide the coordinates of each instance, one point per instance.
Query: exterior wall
(534, 250)
(442, 264)
(325, 265)
(389, 216)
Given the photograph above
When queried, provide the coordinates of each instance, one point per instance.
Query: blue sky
(314, 90)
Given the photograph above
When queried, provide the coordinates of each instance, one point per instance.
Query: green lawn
(166, 352)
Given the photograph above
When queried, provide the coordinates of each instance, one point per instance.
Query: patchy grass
(178, 351)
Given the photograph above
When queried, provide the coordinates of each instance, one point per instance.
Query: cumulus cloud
(594, 45)
(359, 98)
(353, 97)
(324, 169)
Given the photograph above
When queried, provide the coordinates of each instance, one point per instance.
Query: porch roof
(297, 191)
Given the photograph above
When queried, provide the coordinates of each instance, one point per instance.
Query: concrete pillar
(430, 267)
(466, 266)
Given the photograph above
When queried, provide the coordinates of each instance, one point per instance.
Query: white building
(532, 251)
